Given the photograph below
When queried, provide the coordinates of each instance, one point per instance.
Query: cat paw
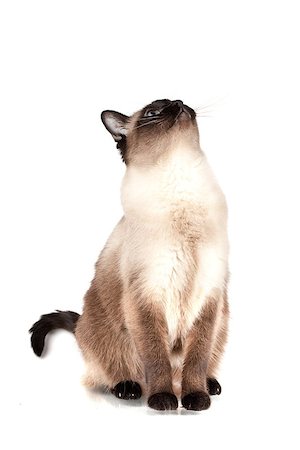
(213, 386)
(196, 401)
(127, 390)
(163, 401)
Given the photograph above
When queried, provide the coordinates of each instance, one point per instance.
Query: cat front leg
(148, 327)
(198, 347)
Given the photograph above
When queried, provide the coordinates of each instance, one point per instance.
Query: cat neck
(182, 180)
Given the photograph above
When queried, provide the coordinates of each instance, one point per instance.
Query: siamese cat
(157, 306)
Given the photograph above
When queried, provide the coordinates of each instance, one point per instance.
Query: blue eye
(151, 113)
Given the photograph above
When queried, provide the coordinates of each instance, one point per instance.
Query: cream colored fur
(183, 181)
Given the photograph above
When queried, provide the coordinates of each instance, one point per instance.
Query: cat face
(151, 132)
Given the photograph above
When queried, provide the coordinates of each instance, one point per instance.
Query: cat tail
(60, 319)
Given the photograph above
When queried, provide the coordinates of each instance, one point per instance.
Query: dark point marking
(163, 401)
(127, 390)
(213, 386)
(196, 401)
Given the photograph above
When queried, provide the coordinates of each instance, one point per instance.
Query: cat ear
(115, 123)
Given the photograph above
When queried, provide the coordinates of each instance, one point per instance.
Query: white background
(62, 63)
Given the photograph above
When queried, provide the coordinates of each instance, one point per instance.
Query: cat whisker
(176, 118)
(148, 123)
(210, 107)
(212, 103)
(203, 115)
(204, 109)
(149, 118)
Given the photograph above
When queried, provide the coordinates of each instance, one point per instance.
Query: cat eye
(152, 113)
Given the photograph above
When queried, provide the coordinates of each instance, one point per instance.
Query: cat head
(152, 132)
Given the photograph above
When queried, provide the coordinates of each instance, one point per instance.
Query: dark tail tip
(39, 331)
(61, 319)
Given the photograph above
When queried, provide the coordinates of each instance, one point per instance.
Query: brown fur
(101, 330)
(198, 349)
(146, 144)
(149, 330)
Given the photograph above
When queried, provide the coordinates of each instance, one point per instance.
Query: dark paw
(196, 401)
(163, 401)
(213, 386)
(127, 390)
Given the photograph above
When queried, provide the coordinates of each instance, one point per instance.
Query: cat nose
(178, 103)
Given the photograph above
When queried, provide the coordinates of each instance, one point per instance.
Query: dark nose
(178, 103)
